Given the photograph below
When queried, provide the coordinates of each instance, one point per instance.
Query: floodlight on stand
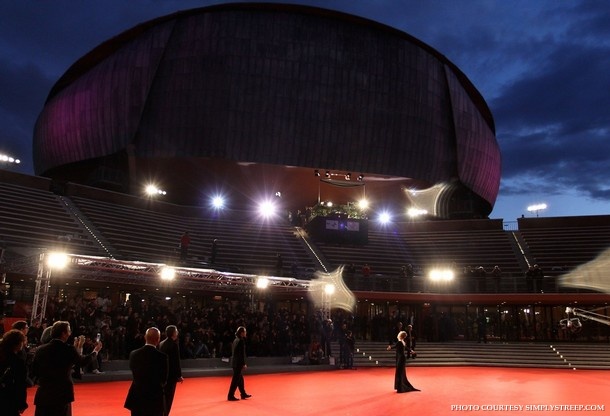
(152, 190)
(9, 159)
(537, 208)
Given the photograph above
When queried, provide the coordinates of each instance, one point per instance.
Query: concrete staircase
(567, 356)
(521, 355)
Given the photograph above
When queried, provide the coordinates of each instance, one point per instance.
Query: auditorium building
(315, 111)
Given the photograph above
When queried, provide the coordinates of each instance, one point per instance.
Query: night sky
(543, 66)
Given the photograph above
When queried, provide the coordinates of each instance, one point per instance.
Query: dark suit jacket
(238, 353)
(149, 367)
(410, 341)
(172, 350)
(52, 366)
(13, 397)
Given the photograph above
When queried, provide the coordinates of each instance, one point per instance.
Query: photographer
(410, 342)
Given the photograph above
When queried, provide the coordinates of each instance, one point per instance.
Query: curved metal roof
(273, 84)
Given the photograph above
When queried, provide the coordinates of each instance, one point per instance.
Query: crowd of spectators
(205, 330)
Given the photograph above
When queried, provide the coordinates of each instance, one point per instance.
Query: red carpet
(369, 392)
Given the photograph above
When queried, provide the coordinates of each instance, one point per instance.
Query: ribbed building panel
(278, 85)
(478, 153)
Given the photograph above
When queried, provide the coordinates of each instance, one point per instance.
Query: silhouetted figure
(238, 362)
(13, 372)
(482, 329)
(538, 278)
(52, 366)
(366, 270)
(406, 272)
(396, 329)
(350, 348)
(185, 242)
(410, 342)
(170, 347)
(327, 333)
(401, 383)
(481, 279)
(529, 279)
(214, 251)
(497, 276)
(149, 368)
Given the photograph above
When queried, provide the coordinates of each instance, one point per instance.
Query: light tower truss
(134, 272)
(137, 273)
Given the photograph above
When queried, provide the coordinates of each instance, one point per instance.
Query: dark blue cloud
(555, 123)
(541, 65)
(553, 119)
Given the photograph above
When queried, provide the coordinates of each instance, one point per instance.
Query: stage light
(218, 202)
(441, 275)
(57, 260)
(9, 159)
(267, 209)
(152, 190)
(329, 289)
(168, 273)
(262, 282)
(416, 212)
(385, 217)
(363, 204)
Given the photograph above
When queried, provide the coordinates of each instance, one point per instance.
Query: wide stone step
(535, 355)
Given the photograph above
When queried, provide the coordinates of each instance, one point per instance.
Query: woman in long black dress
(401, 383)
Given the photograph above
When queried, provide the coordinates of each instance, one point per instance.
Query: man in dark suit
(170, 347)
(149, 368)
(410, 342)
(238, 361)
(52, 366)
